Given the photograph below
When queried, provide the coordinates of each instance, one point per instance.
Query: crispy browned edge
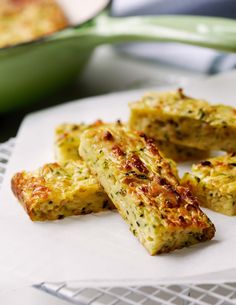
(17, 183)
(39, 192)
(171, 190)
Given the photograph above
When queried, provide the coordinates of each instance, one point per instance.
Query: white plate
(99, 249)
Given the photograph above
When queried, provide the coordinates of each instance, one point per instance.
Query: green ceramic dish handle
(53, 62)
(210, 32)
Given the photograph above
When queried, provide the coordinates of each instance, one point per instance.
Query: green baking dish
(31, 71)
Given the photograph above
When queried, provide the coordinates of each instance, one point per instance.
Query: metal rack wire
(5, 153)
(223, 294)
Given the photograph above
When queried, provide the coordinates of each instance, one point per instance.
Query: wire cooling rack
(223, 294)
(5, 153)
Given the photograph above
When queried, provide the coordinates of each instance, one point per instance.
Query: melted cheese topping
(55, 191)
(213, 181)
(67, 140)
(220, 171)
(144, 186)
(174, 117)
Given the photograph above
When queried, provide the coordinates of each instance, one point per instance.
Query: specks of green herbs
(225, 125)
(141, 176)
(197, 179)
(201, 113)
(166, 136)
(79, 170)
(105, 164)
(122, 192)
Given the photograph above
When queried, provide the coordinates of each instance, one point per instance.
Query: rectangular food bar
(175, 117)
(213, 181)
(145, 189)
(55, 191)
(67, 140)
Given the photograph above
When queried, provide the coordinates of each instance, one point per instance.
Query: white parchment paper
(98, 249)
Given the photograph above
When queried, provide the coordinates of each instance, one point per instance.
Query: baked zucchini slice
(67, 140)
(175, 117)
(26, 20)
(56, 191)
(145, 188)
(213, 181)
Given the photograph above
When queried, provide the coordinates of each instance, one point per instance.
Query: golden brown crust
(183, 120)
(33, 185)
(145, 188)
(55, 191)
(213, 181)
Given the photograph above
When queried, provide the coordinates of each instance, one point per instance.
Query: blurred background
(137, 65)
